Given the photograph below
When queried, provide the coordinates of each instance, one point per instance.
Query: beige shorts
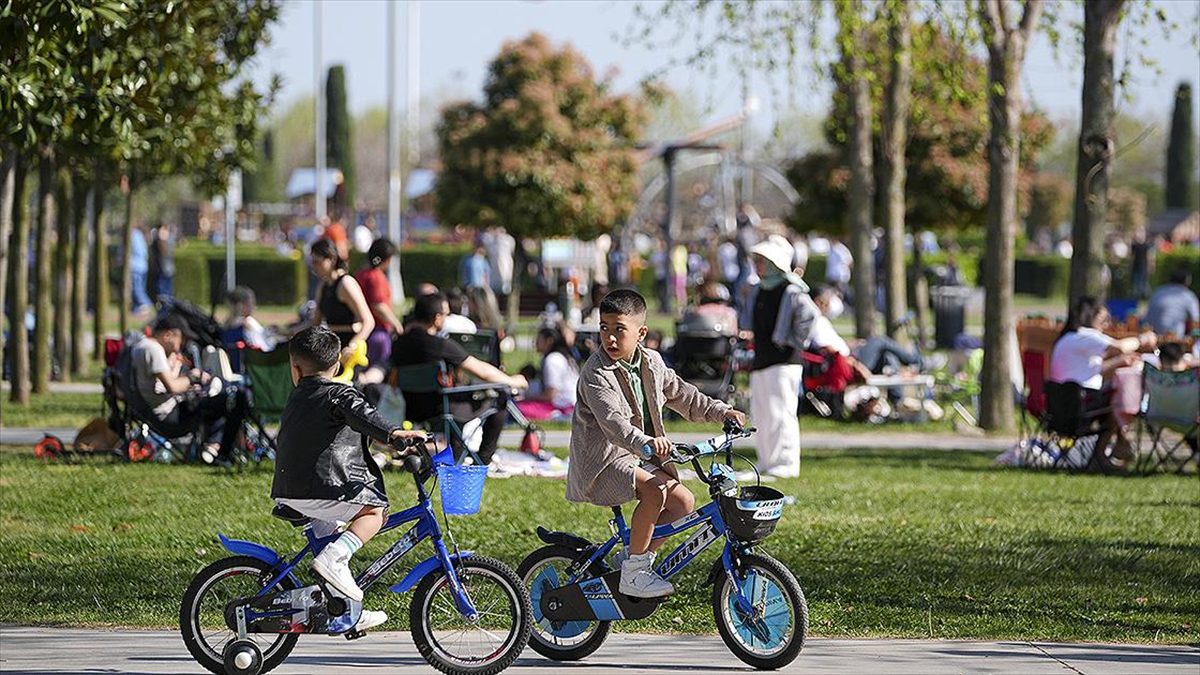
(329, 515)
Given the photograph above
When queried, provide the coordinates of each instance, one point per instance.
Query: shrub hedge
(283, 279)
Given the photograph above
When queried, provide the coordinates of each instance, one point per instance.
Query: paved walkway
(51, 650)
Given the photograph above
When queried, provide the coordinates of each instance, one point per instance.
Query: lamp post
(319, 103)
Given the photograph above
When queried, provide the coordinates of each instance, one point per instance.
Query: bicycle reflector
(753, 514)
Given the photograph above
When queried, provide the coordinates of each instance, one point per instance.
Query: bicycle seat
(292, 516)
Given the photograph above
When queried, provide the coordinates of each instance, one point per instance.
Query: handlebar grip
(414, 463)
(647, 451)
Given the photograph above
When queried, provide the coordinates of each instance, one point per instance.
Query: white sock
(350, 541)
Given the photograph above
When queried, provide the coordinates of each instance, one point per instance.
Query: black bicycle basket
(753, 514)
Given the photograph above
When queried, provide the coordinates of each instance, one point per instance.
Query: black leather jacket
(323, 445)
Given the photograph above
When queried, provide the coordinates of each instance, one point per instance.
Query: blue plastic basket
(461, 488)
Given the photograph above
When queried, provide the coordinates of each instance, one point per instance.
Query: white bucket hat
(776, 249)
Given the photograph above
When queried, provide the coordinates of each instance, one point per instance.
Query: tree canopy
(549, 151)
(947, 186)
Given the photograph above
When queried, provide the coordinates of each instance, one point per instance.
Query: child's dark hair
(623, 301)
(1170, 354)
(428, 307)
(315, 349)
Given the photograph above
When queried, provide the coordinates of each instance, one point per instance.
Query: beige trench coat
(607, 427)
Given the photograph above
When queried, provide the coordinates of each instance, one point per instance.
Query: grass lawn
(53, 410)
(905, 544)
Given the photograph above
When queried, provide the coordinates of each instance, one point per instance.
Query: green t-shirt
(634, 368)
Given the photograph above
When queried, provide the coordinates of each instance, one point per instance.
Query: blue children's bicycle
(759, 607)
(243, 614)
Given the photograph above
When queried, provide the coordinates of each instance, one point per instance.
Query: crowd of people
(750, 287)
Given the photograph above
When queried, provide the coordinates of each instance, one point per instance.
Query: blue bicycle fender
(263, 553)
(417, 573)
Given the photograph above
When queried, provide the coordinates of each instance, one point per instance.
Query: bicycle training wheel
(772, 633)
(543, 570)
(454, 644)
(203, 620)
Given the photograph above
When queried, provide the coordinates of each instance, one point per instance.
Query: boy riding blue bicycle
(323, 468)
(622, 390)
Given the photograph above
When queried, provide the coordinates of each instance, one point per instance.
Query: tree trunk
(859, 157)
(43, 307)
(920, 292)
(8, 166)
(897, 98)
(1006, 53)
(100, 268)
(79, 272)
(126, 257)
(62, 278)
(1096, 143)
(19, 392)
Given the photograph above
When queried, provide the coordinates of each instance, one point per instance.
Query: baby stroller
(704, 355)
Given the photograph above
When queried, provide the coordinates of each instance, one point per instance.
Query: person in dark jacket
(323, 468)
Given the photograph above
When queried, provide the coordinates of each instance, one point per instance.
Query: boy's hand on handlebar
(662, 446)
(407, 442)
(736, 416)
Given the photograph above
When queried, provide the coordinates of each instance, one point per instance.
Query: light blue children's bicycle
(758, 605)
(242, 614)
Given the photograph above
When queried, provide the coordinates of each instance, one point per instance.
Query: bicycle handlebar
(684, 453)
(414, 462)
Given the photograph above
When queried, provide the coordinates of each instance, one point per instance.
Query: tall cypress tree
(1181, 153)
(338, 145)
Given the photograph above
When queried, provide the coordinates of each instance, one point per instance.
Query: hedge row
(283, 279)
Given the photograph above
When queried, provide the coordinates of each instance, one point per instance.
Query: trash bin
(949, 313)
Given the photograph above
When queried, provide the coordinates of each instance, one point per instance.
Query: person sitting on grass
(322, 468)
(622, 388)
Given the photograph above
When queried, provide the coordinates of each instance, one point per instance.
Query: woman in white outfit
(780, 313)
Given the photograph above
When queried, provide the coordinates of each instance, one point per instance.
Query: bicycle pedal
(355, 634)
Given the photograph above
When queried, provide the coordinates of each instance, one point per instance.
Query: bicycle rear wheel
(454, 644)
(544, 570)
(204, 620)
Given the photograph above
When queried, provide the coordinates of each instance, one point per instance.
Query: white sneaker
(333, 564)
(638, 580)
(368, 619)
(619, 558)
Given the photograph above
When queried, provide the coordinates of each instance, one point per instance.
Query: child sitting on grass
(323, 468)
(622, 389)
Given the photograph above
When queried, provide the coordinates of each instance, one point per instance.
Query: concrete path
(808, 439)
(49, 650)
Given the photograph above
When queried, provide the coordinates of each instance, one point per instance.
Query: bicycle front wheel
(485, 645)
(771, 634)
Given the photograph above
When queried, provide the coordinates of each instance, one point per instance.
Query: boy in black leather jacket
(323, 467)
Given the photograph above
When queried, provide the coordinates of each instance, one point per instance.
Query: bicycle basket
(461, 488)
(753, 514)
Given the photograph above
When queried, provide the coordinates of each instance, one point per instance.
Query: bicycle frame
(426, 527)
(712, 527)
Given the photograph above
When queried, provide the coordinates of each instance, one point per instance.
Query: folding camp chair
(484, 345)
(1170, 402)
(1070, 425)
(432, 379)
